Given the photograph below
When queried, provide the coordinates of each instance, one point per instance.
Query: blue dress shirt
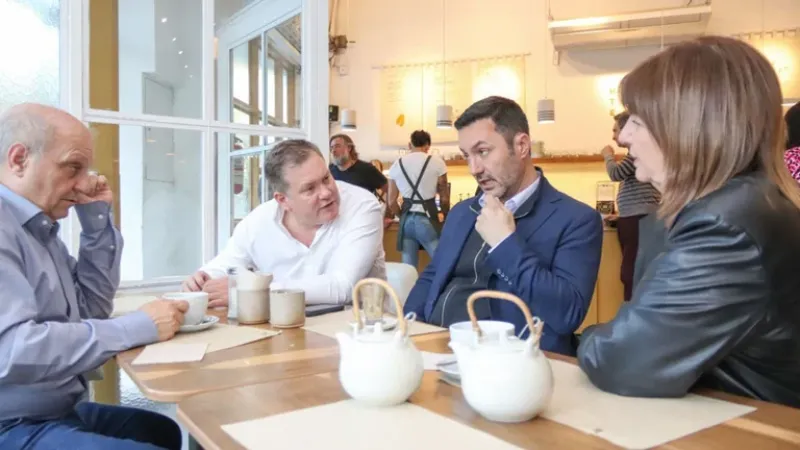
(54, 323)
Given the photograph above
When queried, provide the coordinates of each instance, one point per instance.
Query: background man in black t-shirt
(345, 166)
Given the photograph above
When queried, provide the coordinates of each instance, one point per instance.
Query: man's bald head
(45, 156)
(35, 126)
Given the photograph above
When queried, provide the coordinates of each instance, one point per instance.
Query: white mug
(198, 304)
(287, 308)
(492, 329)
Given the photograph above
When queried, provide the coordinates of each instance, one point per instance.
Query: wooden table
(769, 427)
(293, 353)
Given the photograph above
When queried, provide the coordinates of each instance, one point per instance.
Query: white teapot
(506, 380)
(379, 368)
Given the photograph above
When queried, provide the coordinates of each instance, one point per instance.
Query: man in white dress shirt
(316, 234)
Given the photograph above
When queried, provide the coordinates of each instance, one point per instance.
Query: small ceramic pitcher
(505, 380)
(379, 368)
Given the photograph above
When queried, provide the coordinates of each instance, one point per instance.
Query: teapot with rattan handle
(509, 380)
(379, 368)
(535, 325)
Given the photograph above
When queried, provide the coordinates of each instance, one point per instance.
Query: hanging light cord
(544, 52)
(444, 52)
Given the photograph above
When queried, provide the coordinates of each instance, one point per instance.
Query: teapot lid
(375, 335)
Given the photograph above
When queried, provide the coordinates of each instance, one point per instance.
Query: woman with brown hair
(716, 298)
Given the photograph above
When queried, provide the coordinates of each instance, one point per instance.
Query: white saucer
(206, 323)
(389, 323)
(450, 369)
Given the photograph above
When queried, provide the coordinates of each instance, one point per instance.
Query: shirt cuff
(138, 329)
(498, 244)
(95, 216)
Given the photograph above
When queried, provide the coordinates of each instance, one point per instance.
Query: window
(29, 49)
(248, 185)
(185, 106)
(158, 184)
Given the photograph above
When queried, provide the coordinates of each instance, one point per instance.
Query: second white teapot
(379, 368)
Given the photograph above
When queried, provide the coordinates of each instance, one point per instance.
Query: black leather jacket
(716, 302)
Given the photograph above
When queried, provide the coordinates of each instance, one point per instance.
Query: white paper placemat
(330, 324)
(170, 352)
(631, 422)
(348, 425)
(221, 336)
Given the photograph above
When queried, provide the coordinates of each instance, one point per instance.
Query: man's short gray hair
(21, 126)
(285, 154)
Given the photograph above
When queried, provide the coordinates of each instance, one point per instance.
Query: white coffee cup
(492, 329)
(198, 304)
(287, 308)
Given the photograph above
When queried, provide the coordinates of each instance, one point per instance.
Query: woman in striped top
(634, 201)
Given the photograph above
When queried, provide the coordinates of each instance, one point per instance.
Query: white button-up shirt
(343, 251)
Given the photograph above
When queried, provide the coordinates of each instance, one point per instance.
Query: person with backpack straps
(418, 177)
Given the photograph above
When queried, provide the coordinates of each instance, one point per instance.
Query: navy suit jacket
(550, 261)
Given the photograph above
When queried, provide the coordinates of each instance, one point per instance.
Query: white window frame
(215, 179)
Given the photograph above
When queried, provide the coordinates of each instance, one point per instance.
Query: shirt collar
(23, 209)
(517, 200)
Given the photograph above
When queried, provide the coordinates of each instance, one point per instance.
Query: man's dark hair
(420, 138)
(508, 117)
(285, 154)
(622, 119)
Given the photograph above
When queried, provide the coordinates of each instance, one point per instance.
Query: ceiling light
(348, 119)
(546, 110)
(444, 116)
(174, 39)
(163, 20)
(180, 52)
(186, 66)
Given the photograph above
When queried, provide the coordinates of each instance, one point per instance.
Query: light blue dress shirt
(517, 200)
(54, 311)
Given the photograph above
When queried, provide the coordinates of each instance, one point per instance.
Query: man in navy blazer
(520, 235)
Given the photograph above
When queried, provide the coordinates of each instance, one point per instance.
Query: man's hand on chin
(495, 223)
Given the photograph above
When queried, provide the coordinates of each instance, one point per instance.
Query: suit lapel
(461, 233)
(539, 207)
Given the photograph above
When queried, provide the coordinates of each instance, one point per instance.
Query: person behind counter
(418, 177)
(634, 200)
(715, 302)
(345, 166)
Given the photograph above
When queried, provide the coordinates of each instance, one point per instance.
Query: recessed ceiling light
(163, 20)
(186, 67)
(174, 39)
(180, 52)
(191, 76)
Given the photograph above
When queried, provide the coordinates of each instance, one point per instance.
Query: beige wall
(578, 180)
(410, 31)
